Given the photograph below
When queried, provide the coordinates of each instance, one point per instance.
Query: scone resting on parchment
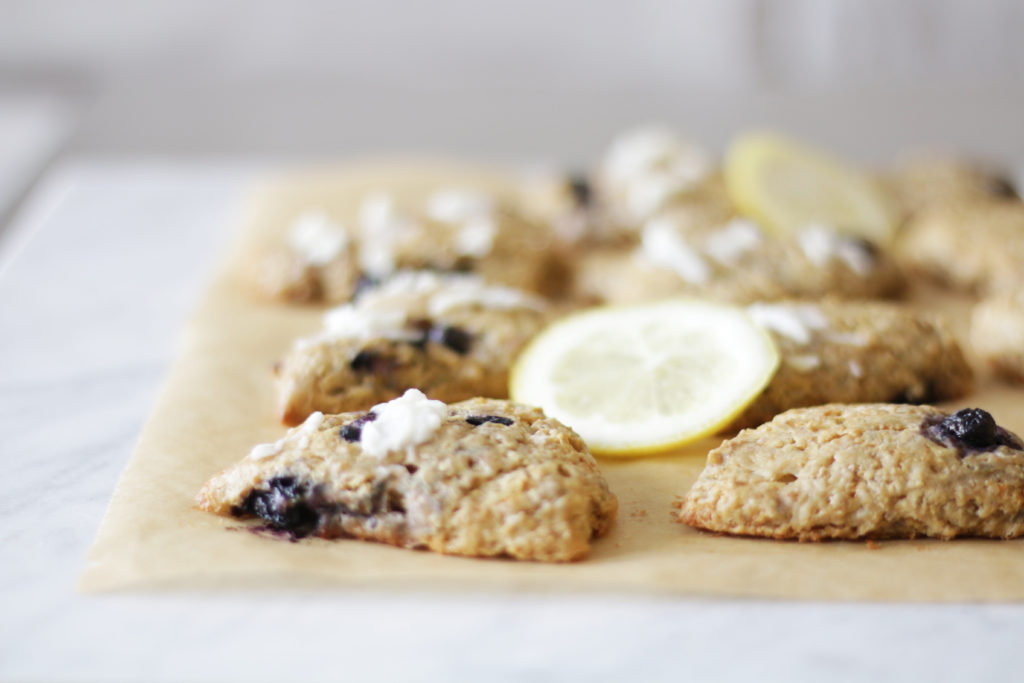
(449, 335)
(864, 471)
(481, 477)
(836, 351)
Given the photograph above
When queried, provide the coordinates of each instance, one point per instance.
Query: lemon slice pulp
(641, 379)
(787, 187)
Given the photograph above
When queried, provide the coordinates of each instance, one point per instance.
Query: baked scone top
(864, 471)
(448, 334)
(482, 477)
(319, 258)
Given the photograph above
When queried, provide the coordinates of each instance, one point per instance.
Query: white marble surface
(33, 127)
(90, 309)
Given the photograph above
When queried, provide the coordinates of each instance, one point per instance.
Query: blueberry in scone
(688, 252)
(997, 334)
(451, 336)
(864, 471)
(926, 183)
(644, 171)
(321, 259)
(837, 351)
(483, 478)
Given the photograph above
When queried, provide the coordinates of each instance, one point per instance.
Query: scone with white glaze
(864, 471)
(315, 261)
(324, 259)
(452, 336)
(643, 172)
(737, 261)
(997, 334)
(837, 351)
(480, 478)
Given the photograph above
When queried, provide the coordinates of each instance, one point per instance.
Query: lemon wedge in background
(786, 187)
(642, 379)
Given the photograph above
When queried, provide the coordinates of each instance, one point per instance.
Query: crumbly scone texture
(280, 274)
(971, 246)
(997, 334)
(465, 352)
(520, 255)
(927, 183)
(867, 352)
(528, 489)
(776, 269)
(861, 471)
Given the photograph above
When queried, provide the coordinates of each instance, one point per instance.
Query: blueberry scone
(864, 471)
(321, 259)
(973, 246)
(647, 170)
(737, 261)
(997, 334)
(930, 182)
(855, 352)
(449, 335)
(643, 172)
(483, 478)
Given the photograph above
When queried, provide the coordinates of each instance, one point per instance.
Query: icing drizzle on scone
(383, 312)
(316, 238)
(821, 244)
(401, 424)
(298, 436)
(795, 321)
(650, 165)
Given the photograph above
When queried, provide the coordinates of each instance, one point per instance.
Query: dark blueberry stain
(284, 505)
(463, 264)
(353, 431)
(969, 431)
(369, 361)
(925, 394)
(580, 188)
(455, 338)
(364, 283)
(423, 327)
(866, 245)
(295, 510)
(1001, 187)
(477, 420)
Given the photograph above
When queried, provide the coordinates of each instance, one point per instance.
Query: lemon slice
(641, 379)
(787, 187)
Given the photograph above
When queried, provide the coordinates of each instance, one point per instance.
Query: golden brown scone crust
(868, 352)
(976, 246)
(520, 256)
(527, 490)
(997, 334)
(464, 352)
(856, 471)
(774, 269)
(928, 183)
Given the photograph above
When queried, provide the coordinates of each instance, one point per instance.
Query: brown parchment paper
(219, 401)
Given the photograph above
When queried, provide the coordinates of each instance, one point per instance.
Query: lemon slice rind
(787, 187)
(649, 378)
